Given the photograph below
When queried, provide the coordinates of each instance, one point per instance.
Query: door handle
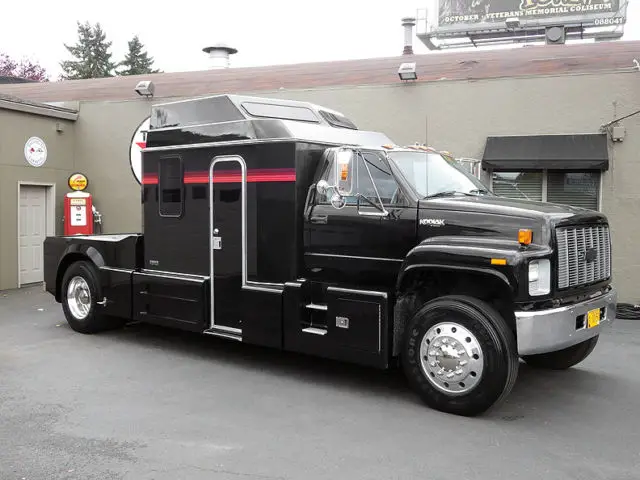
(319, 219)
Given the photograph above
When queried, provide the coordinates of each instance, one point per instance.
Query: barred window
(523, 185)
(578, 189)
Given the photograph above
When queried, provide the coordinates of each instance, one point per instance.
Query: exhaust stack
(219, 55)
(408, 23)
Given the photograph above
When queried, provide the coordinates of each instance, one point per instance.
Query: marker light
(344, 171)
(525, 236)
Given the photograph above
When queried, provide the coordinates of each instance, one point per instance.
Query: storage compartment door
(355, 319)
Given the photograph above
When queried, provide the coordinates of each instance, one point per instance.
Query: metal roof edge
(39, 109)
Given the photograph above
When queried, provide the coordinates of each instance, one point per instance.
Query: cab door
(365, 241)
(227, 245)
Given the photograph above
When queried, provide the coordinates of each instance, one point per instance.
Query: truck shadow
(557, 391)
(269, 361)
(535, 392)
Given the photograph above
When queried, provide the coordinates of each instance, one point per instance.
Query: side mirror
(337, 200)
(344, 172)
(322, 187)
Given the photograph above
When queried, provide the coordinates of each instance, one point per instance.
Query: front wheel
(81, 291)
(562, 359)
(460, 355)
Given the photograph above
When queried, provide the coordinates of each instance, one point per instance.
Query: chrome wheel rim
(79, 298)
(451, 358)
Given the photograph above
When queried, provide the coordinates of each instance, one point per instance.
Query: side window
(386, 185)
(171, 187)
(382, 178)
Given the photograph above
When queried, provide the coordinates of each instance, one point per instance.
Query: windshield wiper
(479, 191)
(447, 193)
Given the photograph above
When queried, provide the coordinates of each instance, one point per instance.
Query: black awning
(552, 152)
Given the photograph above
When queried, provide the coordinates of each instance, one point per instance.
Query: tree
(7, 65)
(24, 68)
(137, 61)
(92, 54)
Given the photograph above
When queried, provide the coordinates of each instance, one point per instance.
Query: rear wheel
(460, 355)
(563, 359)
(81, 291)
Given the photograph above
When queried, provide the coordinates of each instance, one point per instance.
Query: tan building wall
(104, 131)
(15, 129)
(452, 115)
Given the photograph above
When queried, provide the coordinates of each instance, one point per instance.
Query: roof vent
(408, 23)
(219, 55)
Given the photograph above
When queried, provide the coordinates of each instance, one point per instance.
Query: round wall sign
(35, 152)
(138, 142)
(78, 182)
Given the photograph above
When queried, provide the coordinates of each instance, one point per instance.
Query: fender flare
(73, 253)
(472, 254)
(468, 269)
(89, 251)
(400, 313)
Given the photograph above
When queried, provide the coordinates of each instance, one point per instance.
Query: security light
(145, 88)
(513, 22)
(407, 71)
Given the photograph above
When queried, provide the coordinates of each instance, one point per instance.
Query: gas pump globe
(78, 207)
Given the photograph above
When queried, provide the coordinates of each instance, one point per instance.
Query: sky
(264, 32)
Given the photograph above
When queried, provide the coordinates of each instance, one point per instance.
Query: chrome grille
(574, 243)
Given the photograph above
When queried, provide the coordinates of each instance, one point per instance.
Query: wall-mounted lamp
(513, 22)
(407, 71)
(145, 88)
(617, 133)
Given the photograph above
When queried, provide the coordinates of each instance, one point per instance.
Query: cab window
(171, 187)
(369, 169)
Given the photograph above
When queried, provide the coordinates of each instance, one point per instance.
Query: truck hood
(497, 217)
(541, 211)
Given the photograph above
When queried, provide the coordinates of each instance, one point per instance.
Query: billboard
(461, 14)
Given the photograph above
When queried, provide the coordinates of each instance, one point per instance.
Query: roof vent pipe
(219, 55)
(408, 23)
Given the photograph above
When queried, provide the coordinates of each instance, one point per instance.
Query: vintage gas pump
(78, 207)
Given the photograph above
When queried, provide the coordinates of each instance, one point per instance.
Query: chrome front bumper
(542, 331)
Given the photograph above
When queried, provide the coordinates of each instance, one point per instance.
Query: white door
(33, 228)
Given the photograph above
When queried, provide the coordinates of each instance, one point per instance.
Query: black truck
(280, 223)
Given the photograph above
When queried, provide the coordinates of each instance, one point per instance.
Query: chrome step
(315, 306)
(225, 332)
(315, 331)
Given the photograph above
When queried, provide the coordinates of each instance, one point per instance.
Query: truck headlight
(539, 277)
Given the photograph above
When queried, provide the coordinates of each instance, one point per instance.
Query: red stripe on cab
(150, 179)
(233, 176)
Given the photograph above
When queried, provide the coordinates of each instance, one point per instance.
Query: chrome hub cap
(451, 358)
(79, 298)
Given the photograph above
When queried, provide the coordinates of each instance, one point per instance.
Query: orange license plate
(593, 318)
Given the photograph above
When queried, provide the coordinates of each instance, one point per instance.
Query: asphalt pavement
(150, 403)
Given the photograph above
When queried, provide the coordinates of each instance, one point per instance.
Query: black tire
(94, 321)
(499, 354)
(562, 359)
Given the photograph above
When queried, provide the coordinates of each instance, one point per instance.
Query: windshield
(431, 174)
